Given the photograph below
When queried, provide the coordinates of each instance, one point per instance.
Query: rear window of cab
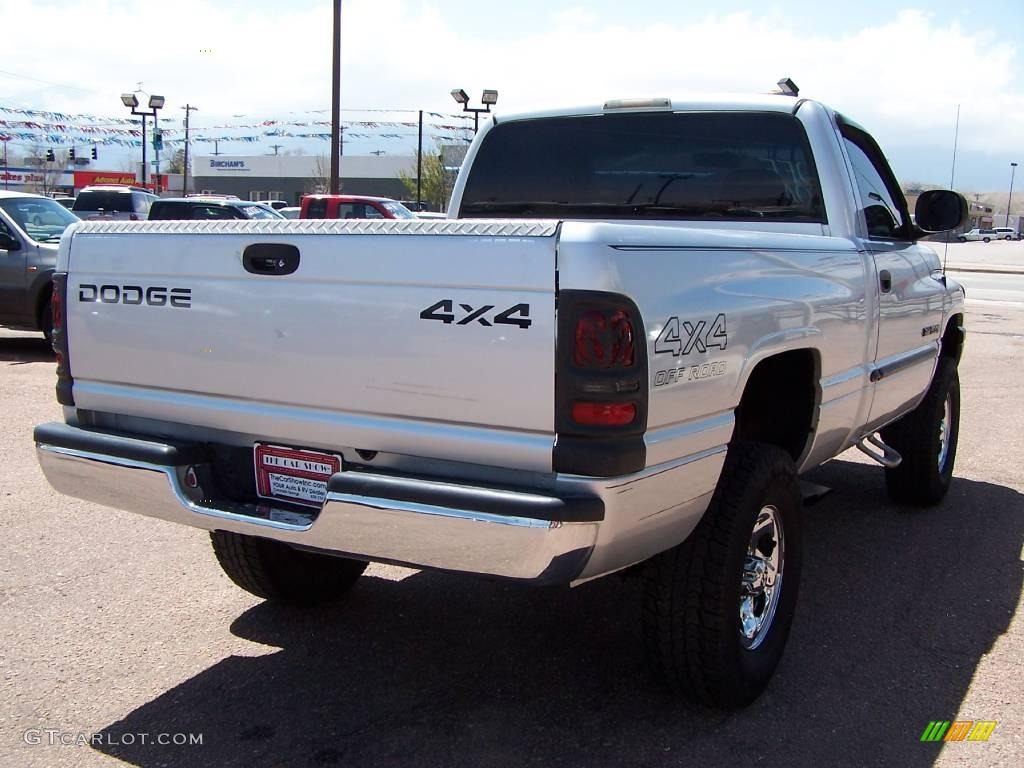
(740, 166)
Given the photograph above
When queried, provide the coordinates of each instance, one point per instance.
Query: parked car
(1005, 233)
(291, 212)
(67, 202)
(985, 235)
(30, 229)
(206, 208)
(430, 215)
(414, 206)
(277, 205)
(352, 207)
(112, 201)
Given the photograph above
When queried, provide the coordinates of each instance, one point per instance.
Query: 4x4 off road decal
(444, 311)
(681, 338)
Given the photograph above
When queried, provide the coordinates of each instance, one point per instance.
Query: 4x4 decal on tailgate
(679, 339)
(444, 310)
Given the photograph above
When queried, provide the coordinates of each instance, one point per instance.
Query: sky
(899, 69)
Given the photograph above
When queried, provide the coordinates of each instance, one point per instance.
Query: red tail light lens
(604, 339)
(56, 309)
(603, 414)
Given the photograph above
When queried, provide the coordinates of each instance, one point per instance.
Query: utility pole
(419, 165)
(189, 109)
(276, 147)
(1013, 168)
(216, 143)
(336, 129)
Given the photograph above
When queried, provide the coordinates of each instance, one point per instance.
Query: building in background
(289, 177)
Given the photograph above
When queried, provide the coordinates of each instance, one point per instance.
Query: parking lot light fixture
(131, 100)
(488, 98)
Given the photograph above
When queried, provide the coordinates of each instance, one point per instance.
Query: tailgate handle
(270, 259)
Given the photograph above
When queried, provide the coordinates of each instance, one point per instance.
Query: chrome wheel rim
(945, 430)
(761, 582)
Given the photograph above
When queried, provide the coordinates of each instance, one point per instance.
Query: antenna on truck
(952, 176)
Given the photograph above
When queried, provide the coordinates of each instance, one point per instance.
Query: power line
(47, 82)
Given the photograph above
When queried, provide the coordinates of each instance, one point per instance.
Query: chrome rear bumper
(514, 534)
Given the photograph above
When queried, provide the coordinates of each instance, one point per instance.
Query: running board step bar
(888, 457)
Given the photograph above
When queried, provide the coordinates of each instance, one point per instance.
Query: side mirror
(9, 243)
(939, 210)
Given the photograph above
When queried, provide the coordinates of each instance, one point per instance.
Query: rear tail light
(601, 384)
(604, 339)
(603, 414)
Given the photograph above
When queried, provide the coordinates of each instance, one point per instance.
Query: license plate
(293, 474)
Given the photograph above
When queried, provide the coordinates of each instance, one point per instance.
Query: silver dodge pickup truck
(646, 319)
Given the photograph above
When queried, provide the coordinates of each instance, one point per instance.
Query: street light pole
(336, 146)
(145, 168)
(1013, 168)
(184, 171)
(5, 139)
(156, 103)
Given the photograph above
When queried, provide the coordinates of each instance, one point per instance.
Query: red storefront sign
(87, 178)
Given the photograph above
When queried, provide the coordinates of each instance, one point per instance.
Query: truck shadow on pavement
(18, 350)
(896, 610)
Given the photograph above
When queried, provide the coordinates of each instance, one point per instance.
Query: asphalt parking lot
(122, 629)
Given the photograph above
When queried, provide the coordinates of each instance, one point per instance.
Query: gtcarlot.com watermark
(53, 737)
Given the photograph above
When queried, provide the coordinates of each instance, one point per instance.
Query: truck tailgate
(429, 338)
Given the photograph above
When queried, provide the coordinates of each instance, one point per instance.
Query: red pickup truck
(352, 207)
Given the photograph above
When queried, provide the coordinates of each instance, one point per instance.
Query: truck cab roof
(687, 103)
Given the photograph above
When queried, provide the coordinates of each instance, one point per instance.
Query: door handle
(885, 280)
(270, 259)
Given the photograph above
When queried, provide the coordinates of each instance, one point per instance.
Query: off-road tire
(691, 593)
(919, 480)
(278, 572)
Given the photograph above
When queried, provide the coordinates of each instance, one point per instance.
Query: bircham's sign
(228, 165)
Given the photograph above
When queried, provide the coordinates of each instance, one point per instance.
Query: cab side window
(317, 209)
(882, 212)
(212, 212)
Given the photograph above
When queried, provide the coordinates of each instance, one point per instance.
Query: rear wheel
(926, 438)
(986, 239)
(718, 607)
(278, 572)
